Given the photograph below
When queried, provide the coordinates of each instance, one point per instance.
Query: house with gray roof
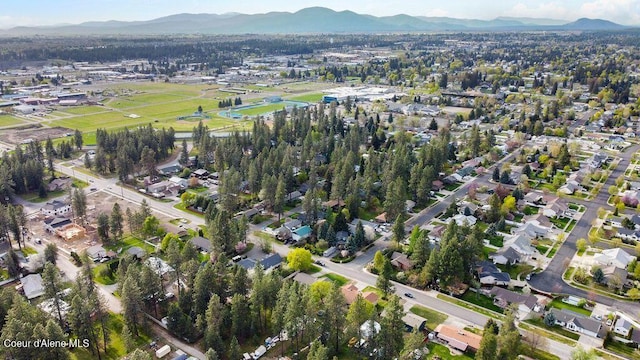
(576, 322)
(504, 298)
(201, 243)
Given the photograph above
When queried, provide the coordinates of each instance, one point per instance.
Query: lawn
(33, 196)
(530, 210)
(560, 223)
(26, 250)
(495, 240)
(313, 269)
(116, 349)
(515, 270)
(434, 318)
(481, 300)
(556, 329)
(131, 241)
(8, 120)
(438, 351)
(338, 279)
(104, 279)
(83, 110)
(622, 349)
(558, 304)
(311, 98)
(452, 187)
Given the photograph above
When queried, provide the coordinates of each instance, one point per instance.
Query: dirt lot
(35, 132)
(97, 202)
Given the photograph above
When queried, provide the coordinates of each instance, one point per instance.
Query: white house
(622, 327)
(577, 323)
(56, 208)
(614, 257)
(522, 245)
(183, 183)
(464, 220)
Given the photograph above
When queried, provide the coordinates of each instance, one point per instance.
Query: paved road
(551, 279)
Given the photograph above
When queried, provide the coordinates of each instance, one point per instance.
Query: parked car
(318, 262)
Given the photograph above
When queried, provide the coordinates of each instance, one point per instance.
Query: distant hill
(309, 20)
(592, 24)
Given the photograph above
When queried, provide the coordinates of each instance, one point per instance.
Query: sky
(49, 12)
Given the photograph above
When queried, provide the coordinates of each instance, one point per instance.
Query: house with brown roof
(350, 292)
(371, 297)
(458, 339)
(401, 261)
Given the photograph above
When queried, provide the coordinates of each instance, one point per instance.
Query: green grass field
(80, 110)
(8, 120)
(312, 98)
(434, 318)
(157, 103)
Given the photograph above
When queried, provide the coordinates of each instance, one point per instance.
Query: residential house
(294, 195)
(555, 209)
(183, 183)
(413, 321)
(532, 230)
(303, 278)
(616, 257)
(301, 233)
(458, 339)
(464, 220)
(200, 173)
(494, 278)
(522, 245)
(96, 252)
(437, 185)
(436, 234)
(508, 256)
(409, 205)
(159, 266)
(248, 263)
(54, 224)
(137, 252)
(622, 327)
(350, 292)
(401, 261)
(32, 286)
(59, 184)
(505, 298)
(56, 208)
(271, 261)
(201, 243)
(540, 219)
(598, 160)
(570, 187)
(371, 297)
(628, 234)
(163, 188)
(576, 322)
(635, 219)
(613, 272)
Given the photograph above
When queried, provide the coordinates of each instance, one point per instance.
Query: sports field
(8, 120)
(129, 105)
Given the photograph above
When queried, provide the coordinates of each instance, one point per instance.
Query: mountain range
(308, 21)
